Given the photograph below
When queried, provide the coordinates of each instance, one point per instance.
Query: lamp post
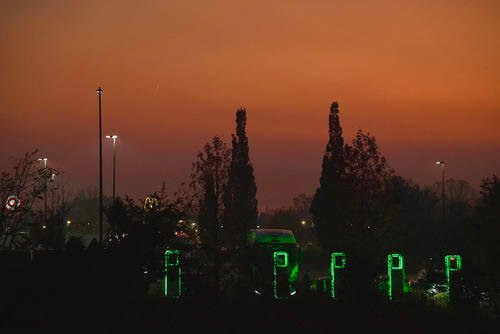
(44, 187)
(99, 92)
(442, 192)
(114, 138)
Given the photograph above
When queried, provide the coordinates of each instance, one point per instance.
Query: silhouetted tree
(240, 203)
(26, 184)
(367, 173)
(295, 218)
(140, 233)
(150, 228)
(489, 232)
(328, 206)
(84, 211)
(460, 198)
(208, 182)
(415, 213)
(350, 208)
(301, 205)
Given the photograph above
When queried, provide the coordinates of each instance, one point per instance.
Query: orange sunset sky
(423, 77)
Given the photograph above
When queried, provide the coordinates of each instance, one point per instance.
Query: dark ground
(82, 294)
(301, 316)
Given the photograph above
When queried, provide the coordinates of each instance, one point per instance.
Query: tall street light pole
(44, 187)
(99, 92)
(442, 192)
(114, 138)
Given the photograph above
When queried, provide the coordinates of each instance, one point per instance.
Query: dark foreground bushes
(96, 293)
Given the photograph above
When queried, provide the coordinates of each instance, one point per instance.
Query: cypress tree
(240, 203)
(327, 206)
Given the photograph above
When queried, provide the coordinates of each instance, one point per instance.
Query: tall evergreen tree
(327, 203)
(240, 203)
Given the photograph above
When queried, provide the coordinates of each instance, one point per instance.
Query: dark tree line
(295, 218)
(361, 207)
(364, 208)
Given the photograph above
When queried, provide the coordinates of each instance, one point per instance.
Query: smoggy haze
(423, 77)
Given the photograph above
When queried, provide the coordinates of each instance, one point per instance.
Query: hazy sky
(422, 76)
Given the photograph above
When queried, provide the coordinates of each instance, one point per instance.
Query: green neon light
(394, 262)
(452, 263)
(172, 258)
(280, 260)
(294, 273)
(337, 261)
(172, 264)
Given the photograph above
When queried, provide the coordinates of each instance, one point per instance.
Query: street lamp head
(99, 90)
(44, 160)
(114, 137)
(439, 162)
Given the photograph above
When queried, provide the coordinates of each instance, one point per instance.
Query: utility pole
(99, 92)
(44, 188)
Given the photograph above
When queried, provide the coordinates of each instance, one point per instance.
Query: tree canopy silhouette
(329, 202)
(208, 182)
(240, 203)
(27, 183)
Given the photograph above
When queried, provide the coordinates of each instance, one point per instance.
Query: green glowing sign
(281, 259)
(280, 275)
(172, 279)
(395, 274)
(452, 264)
(338, 261)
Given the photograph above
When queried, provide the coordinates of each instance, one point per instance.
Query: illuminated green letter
(396, 275)
(337, 261)
(453, 264)
(172, 280)
(281, 286)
